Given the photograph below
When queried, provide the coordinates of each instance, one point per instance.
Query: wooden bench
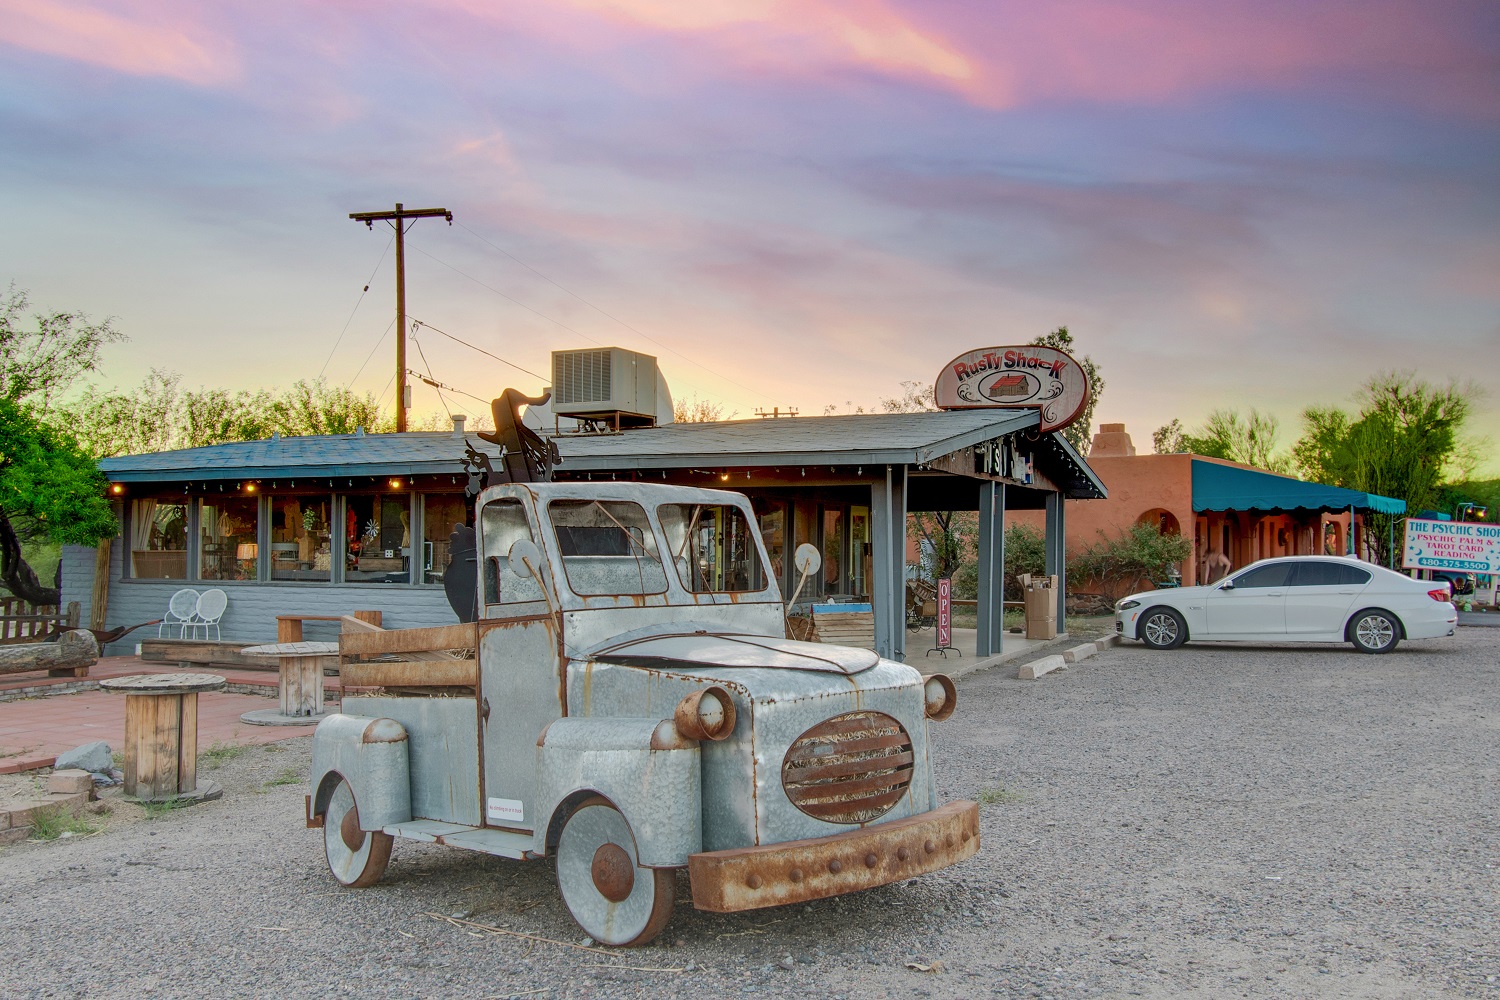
(409, 660)
(289, 627)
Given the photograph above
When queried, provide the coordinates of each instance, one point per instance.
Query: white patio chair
(210, 609)
(180, 611)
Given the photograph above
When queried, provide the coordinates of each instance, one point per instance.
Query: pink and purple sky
(789, 202)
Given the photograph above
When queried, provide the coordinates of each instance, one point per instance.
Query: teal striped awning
(1229, 487)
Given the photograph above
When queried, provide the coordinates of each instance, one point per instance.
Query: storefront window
(861, 559)
(712, 548)
(158, 540)
(301, 538)
(772, 517)
(833, 550)
(805, 532)
(228, 549)
(377, 538)
(440, 512)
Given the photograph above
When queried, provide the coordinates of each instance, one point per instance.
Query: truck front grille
(849, 769)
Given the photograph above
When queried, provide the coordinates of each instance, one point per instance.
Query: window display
(377, 538)
(440, 512)
(228, 549)
(301, 538)
(158, 540)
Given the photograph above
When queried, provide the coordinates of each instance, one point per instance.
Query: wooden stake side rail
(441, 638)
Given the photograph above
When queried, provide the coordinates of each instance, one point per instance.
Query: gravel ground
(1217, 821)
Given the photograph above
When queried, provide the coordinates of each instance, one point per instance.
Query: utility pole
(397, 219)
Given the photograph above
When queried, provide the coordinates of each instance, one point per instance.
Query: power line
(373, 350)
(475, 347)
(601, 311)
(429, 379)
(357, 301)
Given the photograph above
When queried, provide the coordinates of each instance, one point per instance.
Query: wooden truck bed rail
(409, 658)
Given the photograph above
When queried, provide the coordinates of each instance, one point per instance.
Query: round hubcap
(1161, 628)
(349, 831)
(614, 873)
(1373, 632)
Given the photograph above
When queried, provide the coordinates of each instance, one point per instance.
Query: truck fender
(642, 766)
(370, 754)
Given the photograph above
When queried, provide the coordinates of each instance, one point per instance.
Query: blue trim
(1228, 487)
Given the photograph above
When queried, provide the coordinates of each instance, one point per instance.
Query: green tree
(1081, 431)
(1248, 440)
(1140, 554)
(1404, 442)
(50, 490)
(696, 410)
(1168, 439)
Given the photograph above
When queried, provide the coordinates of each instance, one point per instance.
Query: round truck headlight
(939, 695)
(705, 715)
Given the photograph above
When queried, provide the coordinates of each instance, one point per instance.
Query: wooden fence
(22, 622)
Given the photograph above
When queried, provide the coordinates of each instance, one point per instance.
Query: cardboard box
(1041, 628)
(1040, 593)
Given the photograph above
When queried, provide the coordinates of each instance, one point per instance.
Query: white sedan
(1294, 599)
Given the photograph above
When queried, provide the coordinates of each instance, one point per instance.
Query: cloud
(152, 42)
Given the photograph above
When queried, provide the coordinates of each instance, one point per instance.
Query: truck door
(520, 672)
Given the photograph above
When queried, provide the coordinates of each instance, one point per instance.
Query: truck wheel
(357, 858)
(612, 898)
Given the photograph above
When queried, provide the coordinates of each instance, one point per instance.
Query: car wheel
(1374, 631)
(1162, 628)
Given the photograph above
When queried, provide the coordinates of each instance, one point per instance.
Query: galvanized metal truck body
(628, 701)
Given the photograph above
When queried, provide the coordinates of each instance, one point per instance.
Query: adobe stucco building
(1244, 512)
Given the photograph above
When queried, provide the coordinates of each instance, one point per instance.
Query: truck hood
(726, 649)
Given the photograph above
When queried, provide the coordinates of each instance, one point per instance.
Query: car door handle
(1348, 593)
(1275, 593)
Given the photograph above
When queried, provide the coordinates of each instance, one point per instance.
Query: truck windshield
(607, 547)
(712, 547)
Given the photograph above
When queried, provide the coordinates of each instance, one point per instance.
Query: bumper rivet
(948, 840)
(795, 874)
(929, 847)
(903, 854)
(871, 860)
(965, 836)
(835, 866)
(753, 881)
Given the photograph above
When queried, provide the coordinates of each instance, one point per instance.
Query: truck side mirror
(525, 559)
(807, 559)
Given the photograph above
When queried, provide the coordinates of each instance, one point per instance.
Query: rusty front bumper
(749, 878)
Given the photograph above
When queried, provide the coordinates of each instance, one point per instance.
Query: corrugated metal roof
(870, 438)
(321, 454)
(855, 439)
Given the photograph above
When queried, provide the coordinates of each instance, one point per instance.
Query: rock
(788, 963)
(68, 781)
(93, 757)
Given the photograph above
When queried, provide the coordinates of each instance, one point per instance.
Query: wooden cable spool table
(300, 683)
(161, 735)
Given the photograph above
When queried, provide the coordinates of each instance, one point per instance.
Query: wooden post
(99, 600)
(288, 629)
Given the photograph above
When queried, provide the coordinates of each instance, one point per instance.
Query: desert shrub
(1135, 556)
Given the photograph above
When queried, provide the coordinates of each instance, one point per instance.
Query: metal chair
(209, 610)
(180, 611)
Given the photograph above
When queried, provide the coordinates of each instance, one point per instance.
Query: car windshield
(607, 547)
(712, 547)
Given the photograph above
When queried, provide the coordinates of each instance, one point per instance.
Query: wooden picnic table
(161, 735)
(300, 682)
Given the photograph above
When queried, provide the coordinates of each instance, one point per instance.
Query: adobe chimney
(1111, 442)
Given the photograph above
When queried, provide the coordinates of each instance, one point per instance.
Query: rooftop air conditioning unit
(607, 383)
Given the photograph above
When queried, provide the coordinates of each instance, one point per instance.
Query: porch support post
(888, 528)
(1057, 554)
(991, 569)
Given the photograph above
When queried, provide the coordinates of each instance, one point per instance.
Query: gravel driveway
(1215, 821)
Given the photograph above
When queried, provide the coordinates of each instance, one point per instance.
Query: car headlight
(1127, 605)
(939, 696)
(705, 715)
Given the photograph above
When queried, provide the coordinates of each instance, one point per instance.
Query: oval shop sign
(1042, 378)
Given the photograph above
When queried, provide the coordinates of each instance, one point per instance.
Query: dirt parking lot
(1218, 821)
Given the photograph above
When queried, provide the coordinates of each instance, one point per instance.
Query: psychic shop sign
(1039, 378)
(1453, 545)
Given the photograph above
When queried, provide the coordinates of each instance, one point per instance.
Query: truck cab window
(712, 547)
(503, 523)
(608, 547)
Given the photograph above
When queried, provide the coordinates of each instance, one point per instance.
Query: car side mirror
(1227, 585)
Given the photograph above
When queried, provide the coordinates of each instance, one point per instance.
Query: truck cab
(628, 702)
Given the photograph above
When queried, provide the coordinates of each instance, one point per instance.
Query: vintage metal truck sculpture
(627, 702)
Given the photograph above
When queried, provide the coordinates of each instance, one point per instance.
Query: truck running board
(501, 843)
